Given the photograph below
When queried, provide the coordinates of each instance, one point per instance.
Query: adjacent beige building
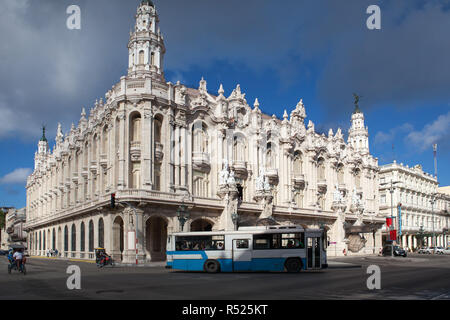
(423, 204)
(159, 146)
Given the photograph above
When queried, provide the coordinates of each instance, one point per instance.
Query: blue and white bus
(266, 248)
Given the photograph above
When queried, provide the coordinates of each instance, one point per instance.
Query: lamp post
(182, 215)
(433, 201)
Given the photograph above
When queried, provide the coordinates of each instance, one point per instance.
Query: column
(147, 148)
(184, 156)
(177, 156)
(122, 145)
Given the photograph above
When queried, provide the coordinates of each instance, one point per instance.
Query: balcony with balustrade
(159, 152)
(135, 150)
(201, 161)
(298, 180)
(104, 160)
(240, 168)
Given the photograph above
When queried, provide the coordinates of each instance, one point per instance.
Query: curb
(61, 259)
(344, 266)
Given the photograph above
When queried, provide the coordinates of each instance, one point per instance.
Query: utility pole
(433, 197)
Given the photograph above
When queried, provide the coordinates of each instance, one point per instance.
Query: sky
(278, 51)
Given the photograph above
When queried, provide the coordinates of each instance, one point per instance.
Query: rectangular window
(292, 241)
(279, 241)
(242, 244)
(200, 243)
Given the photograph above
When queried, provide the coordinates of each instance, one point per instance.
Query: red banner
(393, 234)
(388, 222)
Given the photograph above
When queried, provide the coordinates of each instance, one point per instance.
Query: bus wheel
(293, 265)
(211, 266)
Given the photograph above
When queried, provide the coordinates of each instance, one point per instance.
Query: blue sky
(278, 51)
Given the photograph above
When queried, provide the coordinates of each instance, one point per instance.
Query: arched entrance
(59, 240)
(155, 239)
(117, 243)
(201, 225)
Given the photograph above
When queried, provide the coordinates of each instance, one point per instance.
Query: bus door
(242, 254)
(314, 252)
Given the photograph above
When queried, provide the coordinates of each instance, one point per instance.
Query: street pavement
(414, 277)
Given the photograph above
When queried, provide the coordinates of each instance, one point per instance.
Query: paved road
(416, 277)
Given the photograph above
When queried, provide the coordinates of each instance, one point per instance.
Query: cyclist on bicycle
(18, 257)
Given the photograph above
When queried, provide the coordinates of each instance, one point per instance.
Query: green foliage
(2, 219)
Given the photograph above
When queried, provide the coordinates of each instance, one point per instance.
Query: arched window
(299, 199)
(269, 156)
(358, 178)
(101, 234)
(94, 148)
(152, 57)
(91, 236)
(157, 128)
(66, 239)
(239, 148)
(135, 175)
(321, 169)
(135, 132)
(82, 236)
(340, 173)
(298, 163)
(105, 141)
(53, 239)
(74, 238)
(141, 57)
(200, 138)
(201, 184)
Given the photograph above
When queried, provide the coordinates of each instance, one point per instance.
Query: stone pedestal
(264, 198)
(229, 195)
(338, 230)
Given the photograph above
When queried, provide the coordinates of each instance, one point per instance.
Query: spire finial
(43, 134)
(357, 110)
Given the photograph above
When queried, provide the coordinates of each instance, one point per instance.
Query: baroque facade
(159, 147)
(424, 207)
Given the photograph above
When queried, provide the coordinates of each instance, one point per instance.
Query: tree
(2, 219)
(421, 235)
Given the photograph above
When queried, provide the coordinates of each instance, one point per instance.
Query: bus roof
(247, 230)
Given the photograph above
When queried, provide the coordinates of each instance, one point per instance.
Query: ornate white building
(158, 145)
(422, 204)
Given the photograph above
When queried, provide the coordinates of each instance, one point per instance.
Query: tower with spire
(43, 150)
(358, 134)
(146, 45)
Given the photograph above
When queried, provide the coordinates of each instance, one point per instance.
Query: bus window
(292, 241)
(242, 244)
(262, 241)
(200, 243)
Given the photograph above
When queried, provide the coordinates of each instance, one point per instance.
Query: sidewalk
(141, 264)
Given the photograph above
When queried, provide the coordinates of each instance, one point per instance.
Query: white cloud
(18, 176)
(387, 137)
(435, 132)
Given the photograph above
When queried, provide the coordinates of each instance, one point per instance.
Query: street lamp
(433, 201)
(183, 215)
